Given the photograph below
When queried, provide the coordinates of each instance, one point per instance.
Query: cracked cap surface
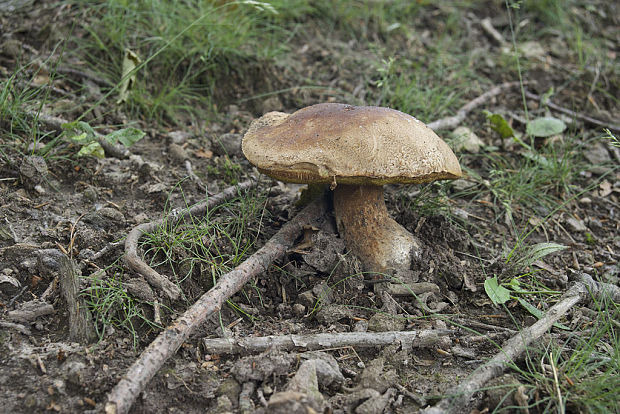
(348, 144)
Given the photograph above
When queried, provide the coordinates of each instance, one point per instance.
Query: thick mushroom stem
(381, 244)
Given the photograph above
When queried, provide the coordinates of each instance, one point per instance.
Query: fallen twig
(29, 311)
(131, 242)
(166, 344)
(574, 114)
(459, 396)
(407, 339)
(453, 121)
(18, 327)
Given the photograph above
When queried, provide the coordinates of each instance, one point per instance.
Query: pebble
(466, 139)
(227, 144)
(48, 261)
(576, 225)
(299, 309)
(177, 153)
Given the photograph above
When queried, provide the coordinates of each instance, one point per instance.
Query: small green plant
(18, 104)
(516, 288)
(226, 169)
(112, 306)
(613, 140)
(582, 372)
(207, 247)
(85, 137)
(168, 60)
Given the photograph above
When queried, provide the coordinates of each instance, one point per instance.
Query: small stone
(501, 391)
(325, 253)
(33, 171)
(333, 313)
(272, 103)
(327, 369)
(75, 372)
(532, 49)
(139, 288)
(177, 153)
(598, 155)
(299, 309)
(90, 194)
(8, 284)
(466, 139)
(105, 218)
(141, 218)
(576, 225)
(230, 388)
(223, 405)
(360, 326)
(11, 48)
(178, 137)
(48, 261)
(585, 200)
(306, 299)
(381, 322)
(227, 144)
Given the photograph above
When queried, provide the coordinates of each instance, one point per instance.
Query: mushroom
(355, 149)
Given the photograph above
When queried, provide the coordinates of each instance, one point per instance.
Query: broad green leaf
(126, 136)
(498, 294)
(499, 125)
(538, 313)
(79, 131)
(94, 149)
(80, 138)
(545, 127)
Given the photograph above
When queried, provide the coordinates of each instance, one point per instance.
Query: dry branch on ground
(406, 339)
(459, 396)
(154, 356)
(166, 344)
(131, 243)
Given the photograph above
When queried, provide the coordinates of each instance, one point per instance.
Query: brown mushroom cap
(348, 144)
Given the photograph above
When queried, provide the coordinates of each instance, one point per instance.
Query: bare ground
(51, 206)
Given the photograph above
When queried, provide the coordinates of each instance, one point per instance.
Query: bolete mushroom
(355, 149)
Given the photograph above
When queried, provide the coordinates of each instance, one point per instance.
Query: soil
(52, 207)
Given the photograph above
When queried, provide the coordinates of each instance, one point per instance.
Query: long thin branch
(460, 396)
(407, 339)
(574, 114)
(453, 121)
(166, 344)
(131, 243)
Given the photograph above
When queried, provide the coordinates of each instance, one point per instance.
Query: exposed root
(459, 396)
(131, 243)
(166, 344)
